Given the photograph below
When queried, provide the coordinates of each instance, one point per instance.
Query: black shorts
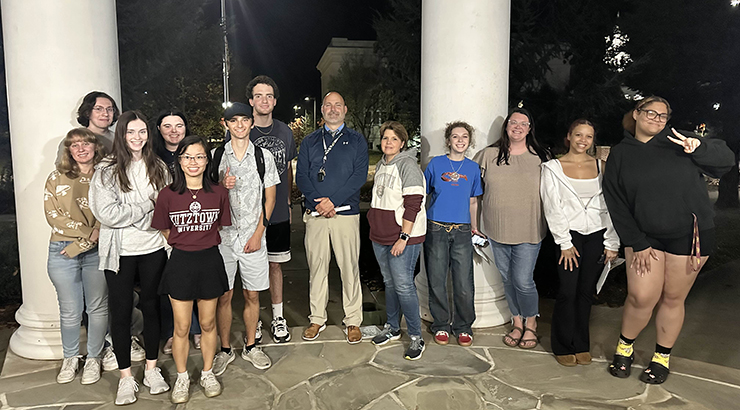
(682, 246)
(191, 275)
(278, 242)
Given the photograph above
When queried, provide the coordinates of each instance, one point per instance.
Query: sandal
(511, 341)
(523, 342)
(655, 373)
(621, 366)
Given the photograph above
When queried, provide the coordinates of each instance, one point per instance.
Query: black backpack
(259, 158)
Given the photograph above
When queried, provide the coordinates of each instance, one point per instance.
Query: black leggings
(149, 269)
(569, 332)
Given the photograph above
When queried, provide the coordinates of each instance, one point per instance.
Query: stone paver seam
(490, 358)
(392, 393)
(482, 358)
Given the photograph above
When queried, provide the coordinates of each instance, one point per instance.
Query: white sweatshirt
(565, 211)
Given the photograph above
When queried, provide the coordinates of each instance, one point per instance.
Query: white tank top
(586, 188)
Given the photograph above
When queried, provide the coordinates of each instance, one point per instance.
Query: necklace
(265, 133)
(195, 195)
(455, 176)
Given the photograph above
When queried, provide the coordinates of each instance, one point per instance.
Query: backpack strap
(260, 160)
(217, 155)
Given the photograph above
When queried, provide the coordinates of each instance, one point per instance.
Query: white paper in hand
(604, 273)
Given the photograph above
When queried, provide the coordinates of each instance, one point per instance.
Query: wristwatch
(404, 236)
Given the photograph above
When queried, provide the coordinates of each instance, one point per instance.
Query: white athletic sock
(277, 310)
(183, 375)
(204, 373)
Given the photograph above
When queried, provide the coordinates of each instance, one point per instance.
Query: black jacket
(652, 189)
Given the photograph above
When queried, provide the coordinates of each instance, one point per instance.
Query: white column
(55, 53)
(465, 76)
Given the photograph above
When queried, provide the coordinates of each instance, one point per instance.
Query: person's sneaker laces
(465, 339)
(222, 360)
(91, 371)
(280, 331)
(110, 362)
(386, 335)
(181, 391)
(137, 352)
(69, 369)
(258, 333)
(127, 388)
(154, 381)
(416, 348)
(211, 386)
(441, 337)
(167, 348)
(257, 357)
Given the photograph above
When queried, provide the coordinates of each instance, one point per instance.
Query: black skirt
(191, 275)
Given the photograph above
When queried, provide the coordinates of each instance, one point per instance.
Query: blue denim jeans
(450, 252)
(516, 264)
(400, 290)
(79, 285)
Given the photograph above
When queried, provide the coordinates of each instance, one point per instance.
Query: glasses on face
(514, 123)
(198, 158)
(100, 109)
(654, 115)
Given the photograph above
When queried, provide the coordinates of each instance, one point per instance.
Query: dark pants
(149, 269)
(167, 322)
(450, 252)
(570, 317)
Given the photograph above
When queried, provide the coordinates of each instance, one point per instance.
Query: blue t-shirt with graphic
(450, 185)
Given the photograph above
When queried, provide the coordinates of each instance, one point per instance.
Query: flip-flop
(523, 342)
(510, 341)
(621, 366)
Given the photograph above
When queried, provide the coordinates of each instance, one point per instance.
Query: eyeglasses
(654, 115)
(198, 158)
(514, 123)
(101, 109)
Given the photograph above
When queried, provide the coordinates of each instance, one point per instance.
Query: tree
(399, 48)
(367, 99)
(687, 56)
(170, 57)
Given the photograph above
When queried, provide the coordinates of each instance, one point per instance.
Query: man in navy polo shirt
(332, 167)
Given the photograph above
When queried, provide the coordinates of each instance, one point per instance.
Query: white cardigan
(565, 211)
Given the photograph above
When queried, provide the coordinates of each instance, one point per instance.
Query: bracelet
(404, 236)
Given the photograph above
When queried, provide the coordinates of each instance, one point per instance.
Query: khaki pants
(342, 234)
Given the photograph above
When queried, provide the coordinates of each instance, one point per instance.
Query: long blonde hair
(67, 165)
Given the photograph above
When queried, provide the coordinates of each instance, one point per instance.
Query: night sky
(285, 39)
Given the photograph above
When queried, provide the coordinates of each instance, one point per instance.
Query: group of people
(169, 221)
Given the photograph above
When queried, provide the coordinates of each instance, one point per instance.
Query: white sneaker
(110, 362)
(222, 360)
(181, 391)
(127, 388)
(257, 357)
(280, 331)
(258, 333)
(69, 369)
(211, 386)
(91, 371)
(155, 382)
(167, 348)
(137, 352)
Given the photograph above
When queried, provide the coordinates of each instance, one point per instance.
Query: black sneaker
(416, 348)
(386, 335)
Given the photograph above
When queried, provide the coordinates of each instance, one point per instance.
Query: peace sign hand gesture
(688, 144)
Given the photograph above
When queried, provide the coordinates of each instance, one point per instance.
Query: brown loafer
(354, 335)
(568, 360)
(583, 358)
(312, 332)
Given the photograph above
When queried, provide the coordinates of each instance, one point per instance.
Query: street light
(225, 60)
(314, 110)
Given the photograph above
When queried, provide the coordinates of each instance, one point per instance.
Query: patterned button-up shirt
(246, 196)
